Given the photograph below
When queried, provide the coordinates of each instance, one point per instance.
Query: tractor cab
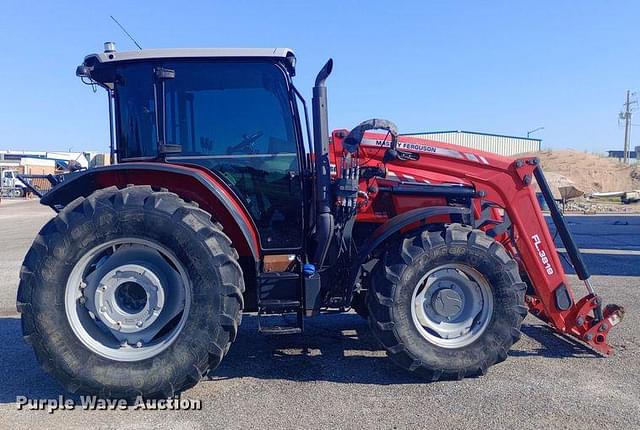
(231, 111)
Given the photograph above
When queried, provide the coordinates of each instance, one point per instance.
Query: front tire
(97, 283)
(359, 304)
(447, 304)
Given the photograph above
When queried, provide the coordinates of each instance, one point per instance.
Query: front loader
(218, 201)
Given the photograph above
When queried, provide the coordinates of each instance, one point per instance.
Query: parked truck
(12, 186)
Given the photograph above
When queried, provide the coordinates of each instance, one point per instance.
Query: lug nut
(83, 285)
(103, 309)
(139, 324)
(82, 300)
(603, 327)
(580, 321)
(139, 344)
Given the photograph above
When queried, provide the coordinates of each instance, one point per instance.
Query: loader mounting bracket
(582, 325)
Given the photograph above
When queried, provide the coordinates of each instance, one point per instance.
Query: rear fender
(193, 184)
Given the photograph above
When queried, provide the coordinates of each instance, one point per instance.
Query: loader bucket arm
(588, 321)
(508, 183)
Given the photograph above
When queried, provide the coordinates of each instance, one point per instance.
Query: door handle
(291, 175)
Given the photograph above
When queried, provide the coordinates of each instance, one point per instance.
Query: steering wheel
(247, 144)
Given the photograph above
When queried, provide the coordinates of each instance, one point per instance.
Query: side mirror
(83, 71)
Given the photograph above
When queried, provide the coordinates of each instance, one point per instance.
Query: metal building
(634, 156)
(497, 143)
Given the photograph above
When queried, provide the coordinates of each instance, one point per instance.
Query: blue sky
(499, 67)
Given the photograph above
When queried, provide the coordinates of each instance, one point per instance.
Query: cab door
(236, 119)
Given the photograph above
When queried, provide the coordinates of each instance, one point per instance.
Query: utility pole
(530, 132)
(626, 115)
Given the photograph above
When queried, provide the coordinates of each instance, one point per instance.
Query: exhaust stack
(324, 218)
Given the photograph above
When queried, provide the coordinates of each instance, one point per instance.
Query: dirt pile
(587, 172)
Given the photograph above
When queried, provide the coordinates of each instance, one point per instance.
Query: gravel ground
(335, 374)
(20, 221)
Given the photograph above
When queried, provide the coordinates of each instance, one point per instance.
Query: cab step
(279, 330)
(277, 323)
(279, 306)
(279, 297)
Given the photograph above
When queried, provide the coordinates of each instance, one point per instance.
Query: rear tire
(135, 214)
(493, 284)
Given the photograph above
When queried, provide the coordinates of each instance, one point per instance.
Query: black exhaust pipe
(324, 218)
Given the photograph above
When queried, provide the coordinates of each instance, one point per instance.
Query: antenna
(126, 32)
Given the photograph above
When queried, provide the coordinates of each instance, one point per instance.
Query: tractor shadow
(340, 348)
(550, 344)
(335, 348)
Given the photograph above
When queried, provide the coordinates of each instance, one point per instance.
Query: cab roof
(93, 63)
(150, 54)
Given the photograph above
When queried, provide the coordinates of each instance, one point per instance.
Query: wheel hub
(129, 298)
(446, 302)
(452, 305)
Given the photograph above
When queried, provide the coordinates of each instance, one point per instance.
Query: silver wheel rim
(128, 299)
(452, 305)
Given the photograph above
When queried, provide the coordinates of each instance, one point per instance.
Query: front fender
(403, 220)
(193, 184)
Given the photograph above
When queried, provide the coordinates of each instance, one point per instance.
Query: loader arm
(507, 183)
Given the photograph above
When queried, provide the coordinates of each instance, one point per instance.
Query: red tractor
(221, 202)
